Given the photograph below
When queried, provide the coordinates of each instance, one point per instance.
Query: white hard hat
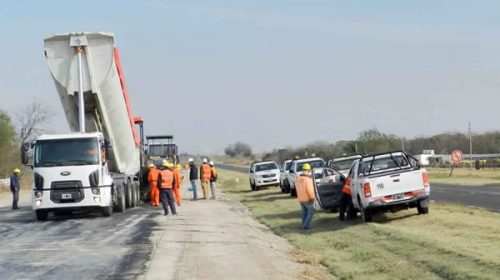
(204, 160)
(211, 163)
(191, 160)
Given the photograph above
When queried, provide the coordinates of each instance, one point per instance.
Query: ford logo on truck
(65, 173)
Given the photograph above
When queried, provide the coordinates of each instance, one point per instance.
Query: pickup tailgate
(396, 185)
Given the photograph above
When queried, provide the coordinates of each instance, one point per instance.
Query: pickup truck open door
(328, 186)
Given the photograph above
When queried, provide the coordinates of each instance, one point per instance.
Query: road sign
(457, 156)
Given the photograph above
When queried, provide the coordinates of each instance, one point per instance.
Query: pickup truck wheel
(42, 215)
(121, 198)
(366, 215)
(287, 187)
(423, 206)
(293, 192)
(252, 186)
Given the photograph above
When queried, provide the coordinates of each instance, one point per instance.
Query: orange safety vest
(178, 178)
(206, 172)
(167, 179)
(153, 177)
(347, 186)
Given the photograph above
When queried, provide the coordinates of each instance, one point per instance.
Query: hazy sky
(275, 73)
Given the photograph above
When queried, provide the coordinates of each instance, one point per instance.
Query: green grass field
(452, 242)
(465, 176)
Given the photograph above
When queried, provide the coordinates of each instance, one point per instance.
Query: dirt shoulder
(220, 240)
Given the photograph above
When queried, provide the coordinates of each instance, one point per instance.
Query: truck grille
(66, 191)
(267, 175)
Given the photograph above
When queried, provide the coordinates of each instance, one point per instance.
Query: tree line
(373, 141)
(21, 126)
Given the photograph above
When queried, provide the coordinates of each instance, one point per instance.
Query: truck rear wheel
(366, 214)
(423, 206)
(128, 194)
(120, 197)
(133, 192)
(293, 192)
(42, 215)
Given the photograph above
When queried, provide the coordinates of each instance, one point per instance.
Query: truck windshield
(65, 152)
(162, 150)
(265, 167)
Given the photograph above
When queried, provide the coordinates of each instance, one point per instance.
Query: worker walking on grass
(178, 182)
(166, 181)
(15, 187)
(346, 206)
(153, 186)
(306, 195)
(205, 175)
(193, 177)
(213, 180)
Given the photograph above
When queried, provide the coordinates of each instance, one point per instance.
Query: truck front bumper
(41, 199)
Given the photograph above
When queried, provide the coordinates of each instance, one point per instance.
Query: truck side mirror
(24, 153)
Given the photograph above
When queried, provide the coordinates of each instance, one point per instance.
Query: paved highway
(74, 247)
(487, 197)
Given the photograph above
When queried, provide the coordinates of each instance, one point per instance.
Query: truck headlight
(95, 191)
(38, 202)
(97, 199)
(38, 194)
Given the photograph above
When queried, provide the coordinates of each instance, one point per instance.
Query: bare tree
(30, 119)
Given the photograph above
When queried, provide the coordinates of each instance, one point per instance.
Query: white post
(81, 106)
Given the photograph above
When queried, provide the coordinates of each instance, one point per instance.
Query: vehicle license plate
(66, 196)
(398, 196)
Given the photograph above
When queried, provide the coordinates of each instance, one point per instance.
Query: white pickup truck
(389, 182)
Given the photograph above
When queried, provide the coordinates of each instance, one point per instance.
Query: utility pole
(470, 145)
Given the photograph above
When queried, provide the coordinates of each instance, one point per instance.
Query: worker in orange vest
(178, 183)
(306, 195)
(153, 186)
(346, 206)
(205, 175)
(213, 180)
(166, 181)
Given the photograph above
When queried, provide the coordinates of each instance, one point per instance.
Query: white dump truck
(97, 166)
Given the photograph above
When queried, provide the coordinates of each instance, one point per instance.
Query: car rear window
(314, 164)
(383, 164)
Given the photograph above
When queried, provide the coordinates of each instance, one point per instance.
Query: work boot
(342, 217)
(165, 213)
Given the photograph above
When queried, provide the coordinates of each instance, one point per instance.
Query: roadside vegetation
(465, 176)
(451, 242)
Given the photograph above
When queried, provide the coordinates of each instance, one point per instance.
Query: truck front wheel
(42, 215)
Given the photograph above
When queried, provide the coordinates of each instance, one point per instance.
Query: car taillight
(366, 188)
(425, 178)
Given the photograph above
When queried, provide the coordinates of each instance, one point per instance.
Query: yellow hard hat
(17, 171)
(178, 166)
(151, 165)
(165, 164)
(306, 167)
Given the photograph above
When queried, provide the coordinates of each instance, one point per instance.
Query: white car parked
(297, 168)
(343, 164)
(264, 173)
(285, 168)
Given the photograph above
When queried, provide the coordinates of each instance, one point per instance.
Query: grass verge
(465, 176)
(452, 242)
